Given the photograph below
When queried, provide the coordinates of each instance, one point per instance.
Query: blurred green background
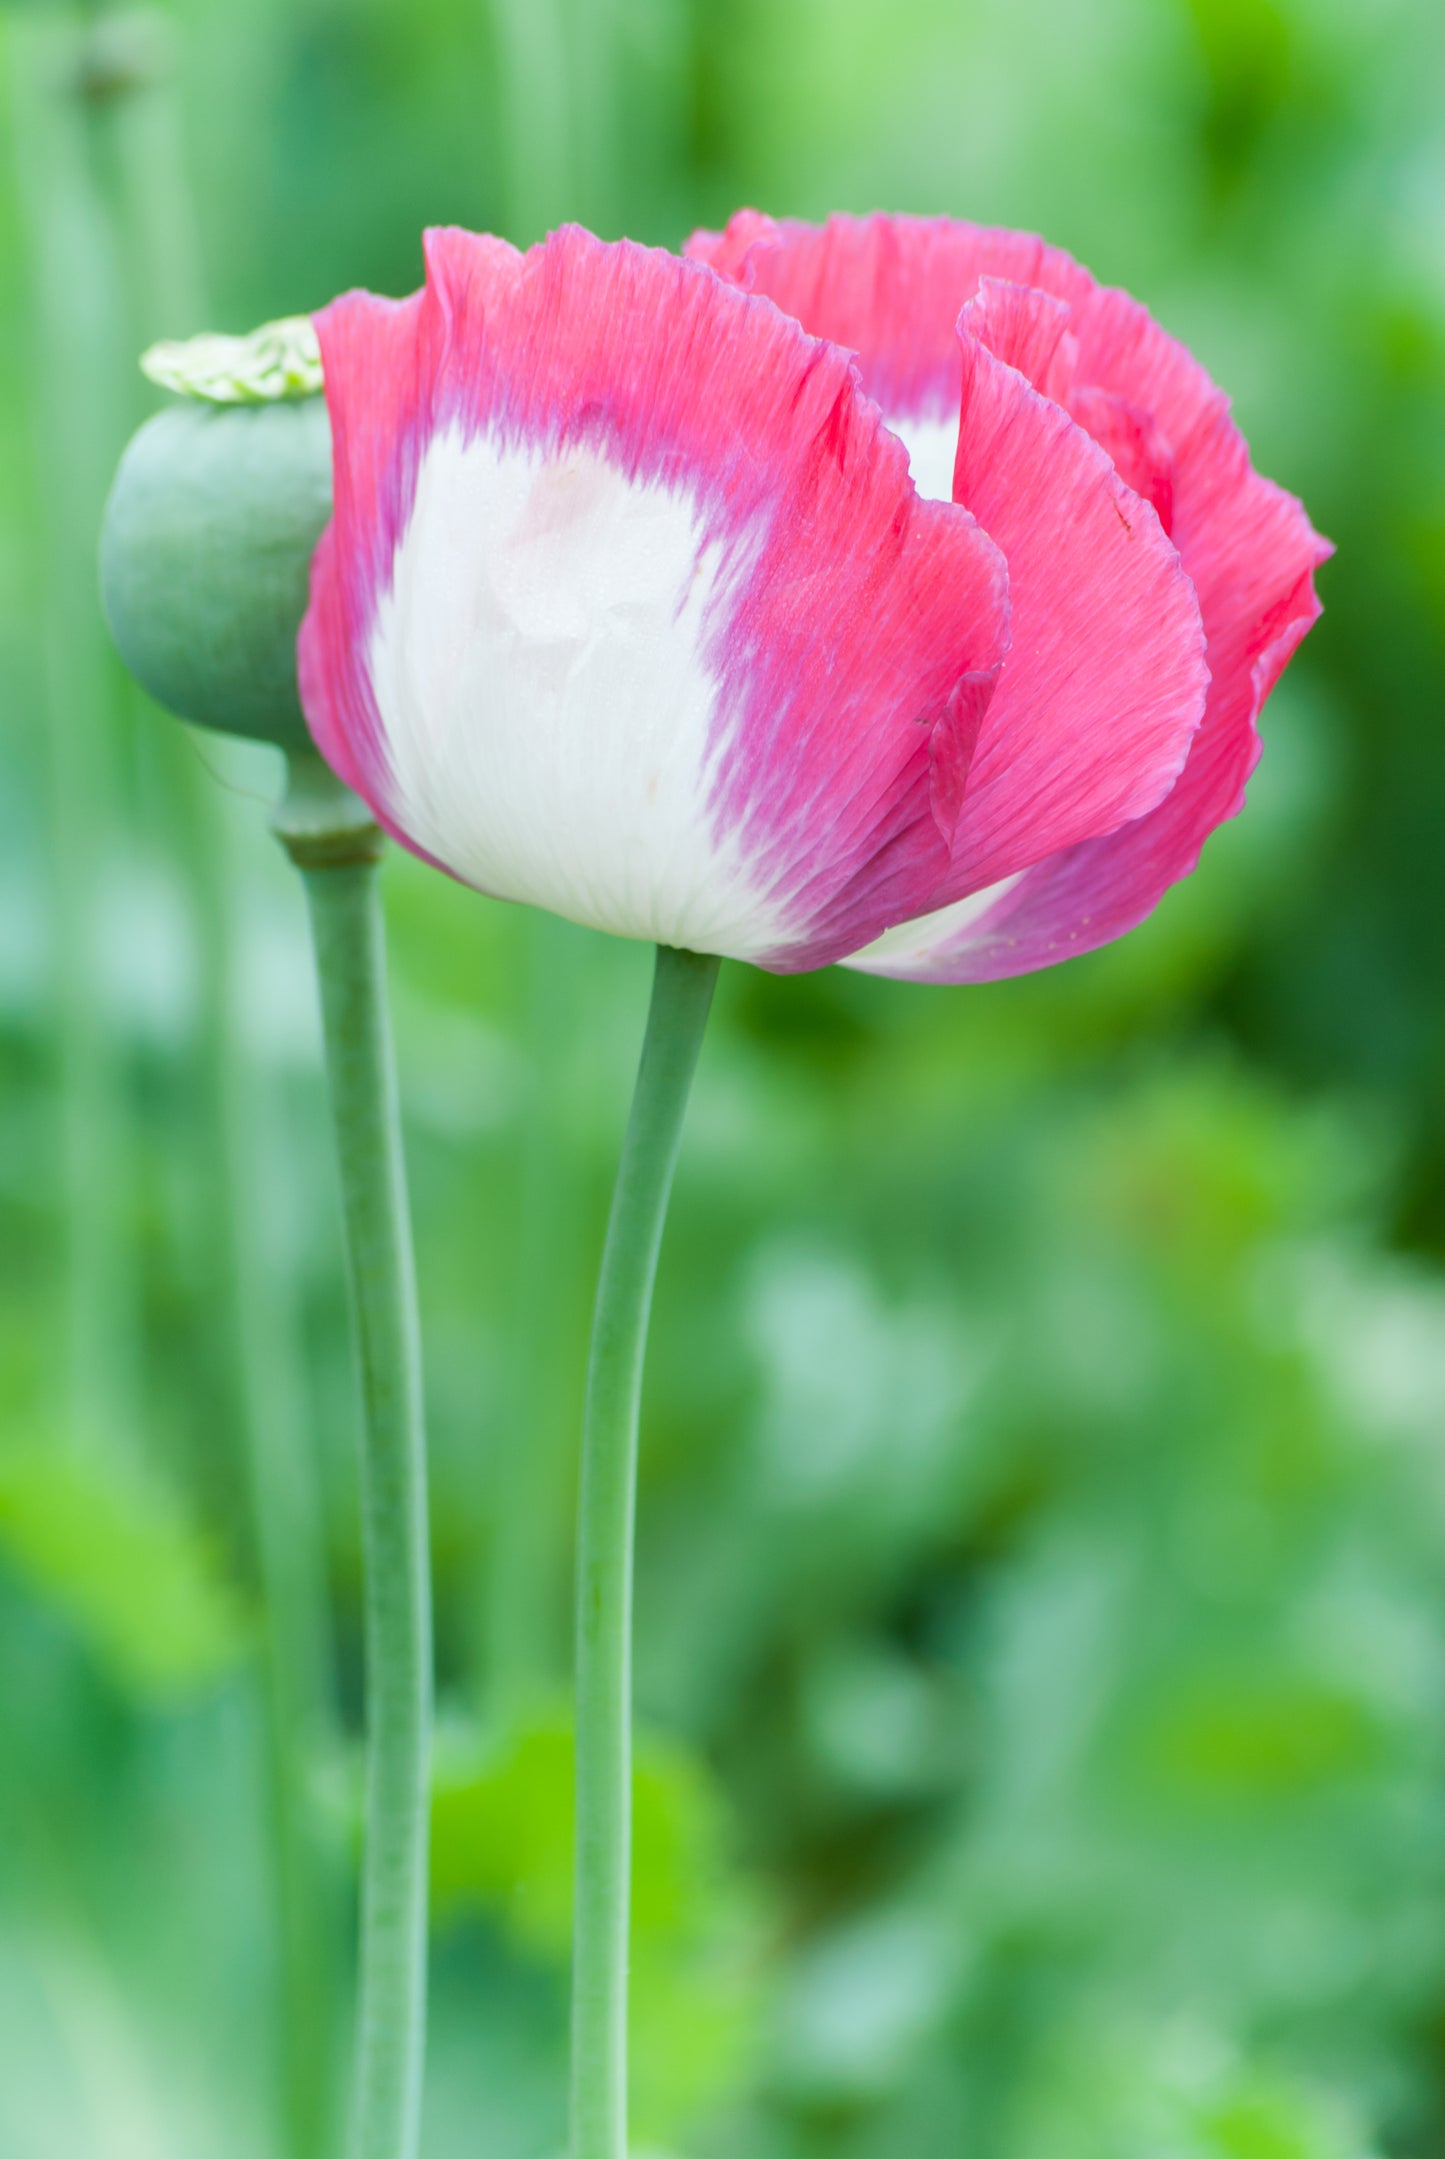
(1042, 1594)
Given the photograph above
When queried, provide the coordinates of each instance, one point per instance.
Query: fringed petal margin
(629, 606)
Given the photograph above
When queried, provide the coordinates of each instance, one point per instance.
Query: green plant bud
(207, 541)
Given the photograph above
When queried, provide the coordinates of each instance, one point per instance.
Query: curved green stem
(332, 841)
(681, 996)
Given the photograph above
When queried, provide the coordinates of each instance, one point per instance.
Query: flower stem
(681, 996)
(334, 844)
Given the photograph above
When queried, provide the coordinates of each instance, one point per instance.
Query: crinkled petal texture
(922, 301)
(629, 606)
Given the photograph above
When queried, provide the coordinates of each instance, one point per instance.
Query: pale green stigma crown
(280, 360)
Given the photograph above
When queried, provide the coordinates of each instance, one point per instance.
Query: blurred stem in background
(266, 1387)
(593, 42)
(535, 109)
(681, 999)
(132, 53)
(534, 118)
(333, 842)
(522, 1656)
(78, 367)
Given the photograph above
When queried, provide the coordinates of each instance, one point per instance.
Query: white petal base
(932, 447)
(912, 946)
(540, 669)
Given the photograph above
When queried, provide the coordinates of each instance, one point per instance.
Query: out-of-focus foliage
(1041, 1620)
(502, 1828)
(116, 1556)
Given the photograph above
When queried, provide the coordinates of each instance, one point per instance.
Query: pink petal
(890, 284)
(1027, 328)
(629, 607)
(1135, 442)
(889, 288)
(1104, 685)
(1122, 350)
(1253, 554)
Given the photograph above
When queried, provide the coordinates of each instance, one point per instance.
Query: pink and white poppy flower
(630, 606)
(891, 289)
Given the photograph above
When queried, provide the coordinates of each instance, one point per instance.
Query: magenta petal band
(910, 296)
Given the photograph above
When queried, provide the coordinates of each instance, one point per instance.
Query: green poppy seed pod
(208, 534)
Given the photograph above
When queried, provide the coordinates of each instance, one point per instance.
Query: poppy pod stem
(681, 997)
(331, 838)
